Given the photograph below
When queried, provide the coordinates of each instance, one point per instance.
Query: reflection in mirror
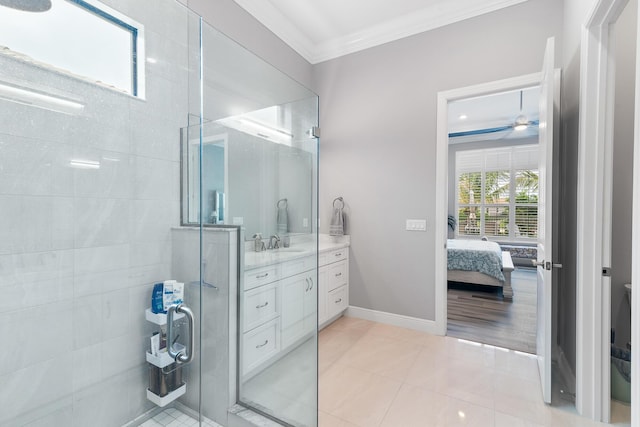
(251, 163)
(214, 177)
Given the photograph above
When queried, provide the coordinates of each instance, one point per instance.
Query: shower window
(84, 38)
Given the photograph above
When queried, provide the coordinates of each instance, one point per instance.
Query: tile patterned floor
(172, 417)
(376, 375)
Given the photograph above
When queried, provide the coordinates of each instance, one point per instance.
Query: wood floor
(479, 313)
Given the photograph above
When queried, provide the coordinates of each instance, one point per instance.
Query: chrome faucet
(273, 245)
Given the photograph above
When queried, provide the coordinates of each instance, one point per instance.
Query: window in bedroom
(497, 192)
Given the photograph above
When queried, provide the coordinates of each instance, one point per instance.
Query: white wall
(238, 24)
(378, 119)
(625, 54)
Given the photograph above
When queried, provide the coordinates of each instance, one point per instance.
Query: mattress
(475, 255)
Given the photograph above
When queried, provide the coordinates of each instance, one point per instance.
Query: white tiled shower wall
(81, 248)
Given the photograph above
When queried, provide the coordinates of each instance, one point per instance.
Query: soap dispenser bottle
(258, 243)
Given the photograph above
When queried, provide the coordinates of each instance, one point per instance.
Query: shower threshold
(174, 417)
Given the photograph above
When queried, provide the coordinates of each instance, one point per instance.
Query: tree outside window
(500, 203)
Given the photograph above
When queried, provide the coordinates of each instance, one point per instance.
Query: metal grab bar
(179, 356)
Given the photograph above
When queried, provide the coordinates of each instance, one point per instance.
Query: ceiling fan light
(521, 123)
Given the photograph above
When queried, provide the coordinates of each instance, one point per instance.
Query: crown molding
(280, 25)
(435, 16)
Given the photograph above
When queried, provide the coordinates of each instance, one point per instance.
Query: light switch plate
(416, 225)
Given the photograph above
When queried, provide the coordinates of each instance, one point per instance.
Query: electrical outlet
(416, 225)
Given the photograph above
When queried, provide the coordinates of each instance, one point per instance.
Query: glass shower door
(259, 179)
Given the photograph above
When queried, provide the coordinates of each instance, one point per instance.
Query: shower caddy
(165, 370)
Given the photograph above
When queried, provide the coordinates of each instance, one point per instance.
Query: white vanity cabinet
(279, 309)
(333, 284)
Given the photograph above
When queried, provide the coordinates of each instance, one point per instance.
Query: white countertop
(298, 249)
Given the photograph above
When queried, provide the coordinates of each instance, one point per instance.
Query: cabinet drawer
(338, 301)
(296, 266)
(260, 276)
(337, 275)
(298, 330)
(260, 344)
(260, 305)
(333, 256)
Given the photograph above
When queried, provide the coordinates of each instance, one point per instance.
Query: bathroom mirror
(248, 167)
(214, 182)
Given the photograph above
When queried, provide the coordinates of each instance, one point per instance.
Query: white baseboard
(408, 322)
(567, 377)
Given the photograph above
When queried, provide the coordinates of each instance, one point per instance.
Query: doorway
(549, 81)
(606, 239)
(493, 205)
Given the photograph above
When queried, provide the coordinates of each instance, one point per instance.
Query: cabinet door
(311, 304)
(298, 305)
(323, 277)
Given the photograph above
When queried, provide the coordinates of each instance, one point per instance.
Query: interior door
(545, 263)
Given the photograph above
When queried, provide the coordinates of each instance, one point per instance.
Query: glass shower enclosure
(194, 161)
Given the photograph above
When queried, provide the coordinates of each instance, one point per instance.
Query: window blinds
(497, 159)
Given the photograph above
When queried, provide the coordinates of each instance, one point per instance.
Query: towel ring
(338, 199)
(278, 204)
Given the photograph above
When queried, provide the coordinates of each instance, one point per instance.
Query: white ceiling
(494, 111)
(320, 30)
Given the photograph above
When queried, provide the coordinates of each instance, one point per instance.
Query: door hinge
(606, 271)
(314, 132)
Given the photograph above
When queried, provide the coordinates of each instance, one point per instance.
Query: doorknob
(180, 356)
(546, 265)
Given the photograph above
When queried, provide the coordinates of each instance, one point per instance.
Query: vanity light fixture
(255, 128)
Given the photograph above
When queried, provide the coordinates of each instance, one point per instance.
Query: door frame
(442, 177)
(595, 148)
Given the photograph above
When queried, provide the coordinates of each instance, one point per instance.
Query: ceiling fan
(520, 123)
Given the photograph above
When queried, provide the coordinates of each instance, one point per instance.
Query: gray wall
(625, 54)
(378, 146)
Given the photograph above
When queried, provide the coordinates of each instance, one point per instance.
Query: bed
(480, 262)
